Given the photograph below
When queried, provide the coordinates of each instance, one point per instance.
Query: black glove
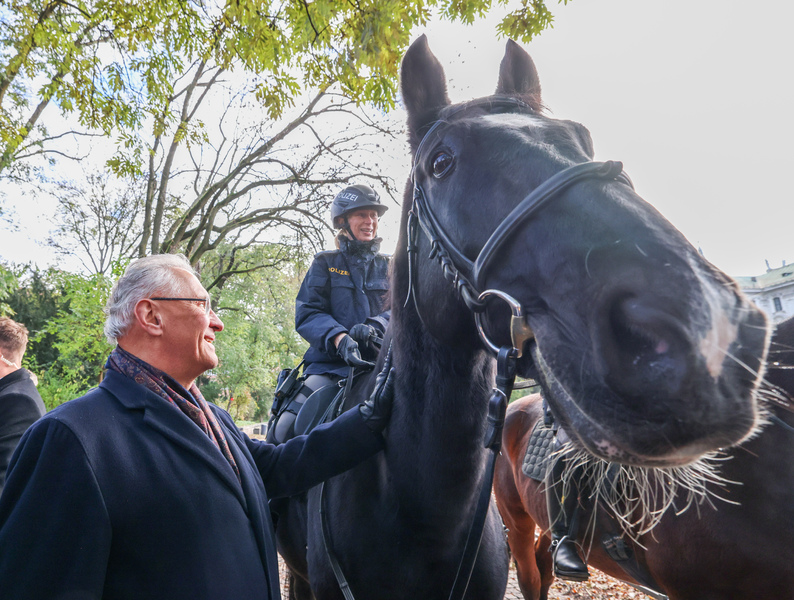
(348, 350)
(362, 333)
(377, 410)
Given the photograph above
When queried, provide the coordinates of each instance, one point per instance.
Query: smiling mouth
(209, 340)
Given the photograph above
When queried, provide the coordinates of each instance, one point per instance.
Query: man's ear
(148, 317)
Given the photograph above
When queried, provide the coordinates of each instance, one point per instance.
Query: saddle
(322, 406)
(300, 417)
(289, 385)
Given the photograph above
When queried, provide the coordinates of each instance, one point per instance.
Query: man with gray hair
(20, 402)
(140, 488)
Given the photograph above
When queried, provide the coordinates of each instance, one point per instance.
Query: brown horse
(739, 547)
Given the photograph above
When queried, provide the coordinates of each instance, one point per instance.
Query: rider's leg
(314, 383)
(562, 501)
(284, 427)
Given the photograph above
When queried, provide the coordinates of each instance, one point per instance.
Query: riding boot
(563, 508)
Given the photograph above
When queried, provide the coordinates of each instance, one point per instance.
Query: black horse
(631, 327)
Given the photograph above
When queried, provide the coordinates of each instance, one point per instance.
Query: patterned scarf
(190, 402)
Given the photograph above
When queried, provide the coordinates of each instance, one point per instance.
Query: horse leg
(520, 528)
(544, 564)
(520, 537)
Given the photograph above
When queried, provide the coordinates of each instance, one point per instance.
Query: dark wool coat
(342, 288)
(119, 495)
(20, 406)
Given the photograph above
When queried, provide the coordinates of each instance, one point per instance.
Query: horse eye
(442, 164)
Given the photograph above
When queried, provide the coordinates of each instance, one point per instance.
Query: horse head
(647, 354)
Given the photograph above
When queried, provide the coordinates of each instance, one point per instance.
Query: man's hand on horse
(377, 410)
(349, 352)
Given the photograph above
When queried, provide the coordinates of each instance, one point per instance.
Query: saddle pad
(538, 450)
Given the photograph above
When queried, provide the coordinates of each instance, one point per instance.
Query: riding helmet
(355, 197)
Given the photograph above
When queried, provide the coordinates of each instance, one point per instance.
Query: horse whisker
(638, 497)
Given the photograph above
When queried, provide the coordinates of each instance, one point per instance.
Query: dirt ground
(598, 587)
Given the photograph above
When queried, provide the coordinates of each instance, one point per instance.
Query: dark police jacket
(342, 288)
(20, 406)
(119, 495)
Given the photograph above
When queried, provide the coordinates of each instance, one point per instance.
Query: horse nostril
(662, 347)
(637, 330)
(643, 350)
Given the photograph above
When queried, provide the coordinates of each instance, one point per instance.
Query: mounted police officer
(340, 306)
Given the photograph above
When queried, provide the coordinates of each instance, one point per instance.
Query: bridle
(467, 277)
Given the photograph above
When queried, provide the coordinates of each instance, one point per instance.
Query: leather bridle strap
(537, 199)
(466, 275)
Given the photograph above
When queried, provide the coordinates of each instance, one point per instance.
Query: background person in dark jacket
(340, 306)
(141, 489)
(20, 402)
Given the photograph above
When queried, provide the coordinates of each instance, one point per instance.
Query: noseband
(466, 275)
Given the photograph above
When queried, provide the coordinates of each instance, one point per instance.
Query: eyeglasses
(205, 301)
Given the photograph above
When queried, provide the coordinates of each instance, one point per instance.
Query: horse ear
(519, 77)
(424, 88)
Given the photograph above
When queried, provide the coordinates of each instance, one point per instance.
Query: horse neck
(435, 435)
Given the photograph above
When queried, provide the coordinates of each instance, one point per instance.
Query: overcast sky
(694, 96)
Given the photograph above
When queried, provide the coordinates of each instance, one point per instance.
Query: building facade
(772, 292)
